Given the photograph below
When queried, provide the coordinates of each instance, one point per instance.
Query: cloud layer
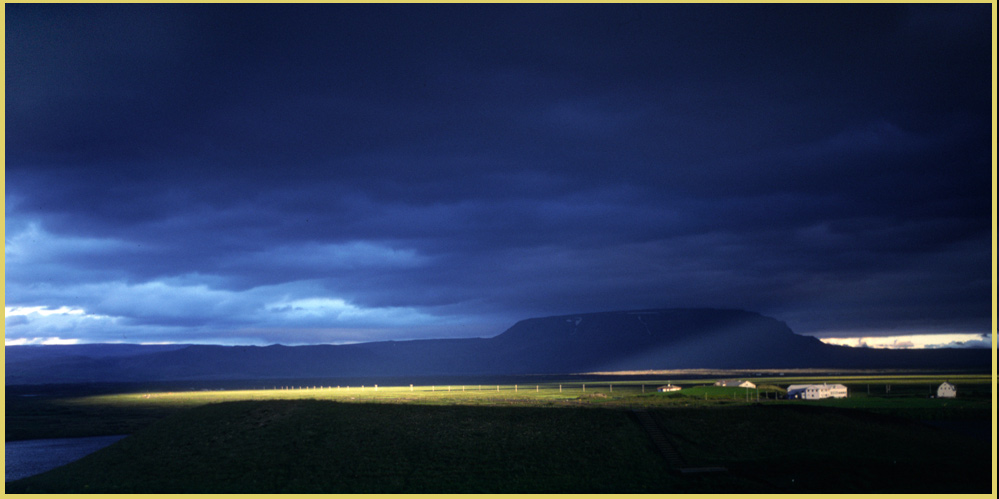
(334, 173)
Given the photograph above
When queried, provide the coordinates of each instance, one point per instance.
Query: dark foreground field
(324, 446)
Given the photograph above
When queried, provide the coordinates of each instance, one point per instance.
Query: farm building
(735, 382)
(668, 388)
(815, 392)
(946, 390)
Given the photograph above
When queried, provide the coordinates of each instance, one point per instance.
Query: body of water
(24, 458)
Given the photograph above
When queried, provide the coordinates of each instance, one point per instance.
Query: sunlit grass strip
(427, 394)
(604, 393)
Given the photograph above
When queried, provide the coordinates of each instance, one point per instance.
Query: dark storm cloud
(309, 173)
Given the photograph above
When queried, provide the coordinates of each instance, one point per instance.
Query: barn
(815, 391)
(668, 388)
(736, 382)
(946, 390)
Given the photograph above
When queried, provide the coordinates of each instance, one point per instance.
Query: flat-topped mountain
(653, 339)
(607, 341)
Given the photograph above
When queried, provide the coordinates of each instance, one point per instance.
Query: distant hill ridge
(652, 339)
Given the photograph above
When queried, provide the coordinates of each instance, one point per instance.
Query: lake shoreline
(26, 458)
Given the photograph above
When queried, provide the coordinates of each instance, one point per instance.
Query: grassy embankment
(526, 439)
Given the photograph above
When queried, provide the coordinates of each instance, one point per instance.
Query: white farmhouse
(946, 390)
(815, 392)
(736, 382)
(668, 388)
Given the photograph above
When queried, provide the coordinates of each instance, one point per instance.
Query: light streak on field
(629, 393)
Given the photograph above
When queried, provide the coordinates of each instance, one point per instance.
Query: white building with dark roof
(816, 392)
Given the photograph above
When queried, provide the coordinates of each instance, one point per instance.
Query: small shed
(736, 382)
(946, 390)
(668, 388)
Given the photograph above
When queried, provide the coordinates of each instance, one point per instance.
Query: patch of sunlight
(41, 310)
(914, 341)
(52, 340)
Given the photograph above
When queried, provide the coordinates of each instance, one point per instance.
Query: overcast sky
(257, 174)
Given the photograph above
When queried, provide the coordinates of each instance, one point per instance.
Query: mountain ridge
(646, 339)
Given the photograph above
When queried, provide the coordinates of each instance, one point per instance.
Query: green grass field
(513, 439)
